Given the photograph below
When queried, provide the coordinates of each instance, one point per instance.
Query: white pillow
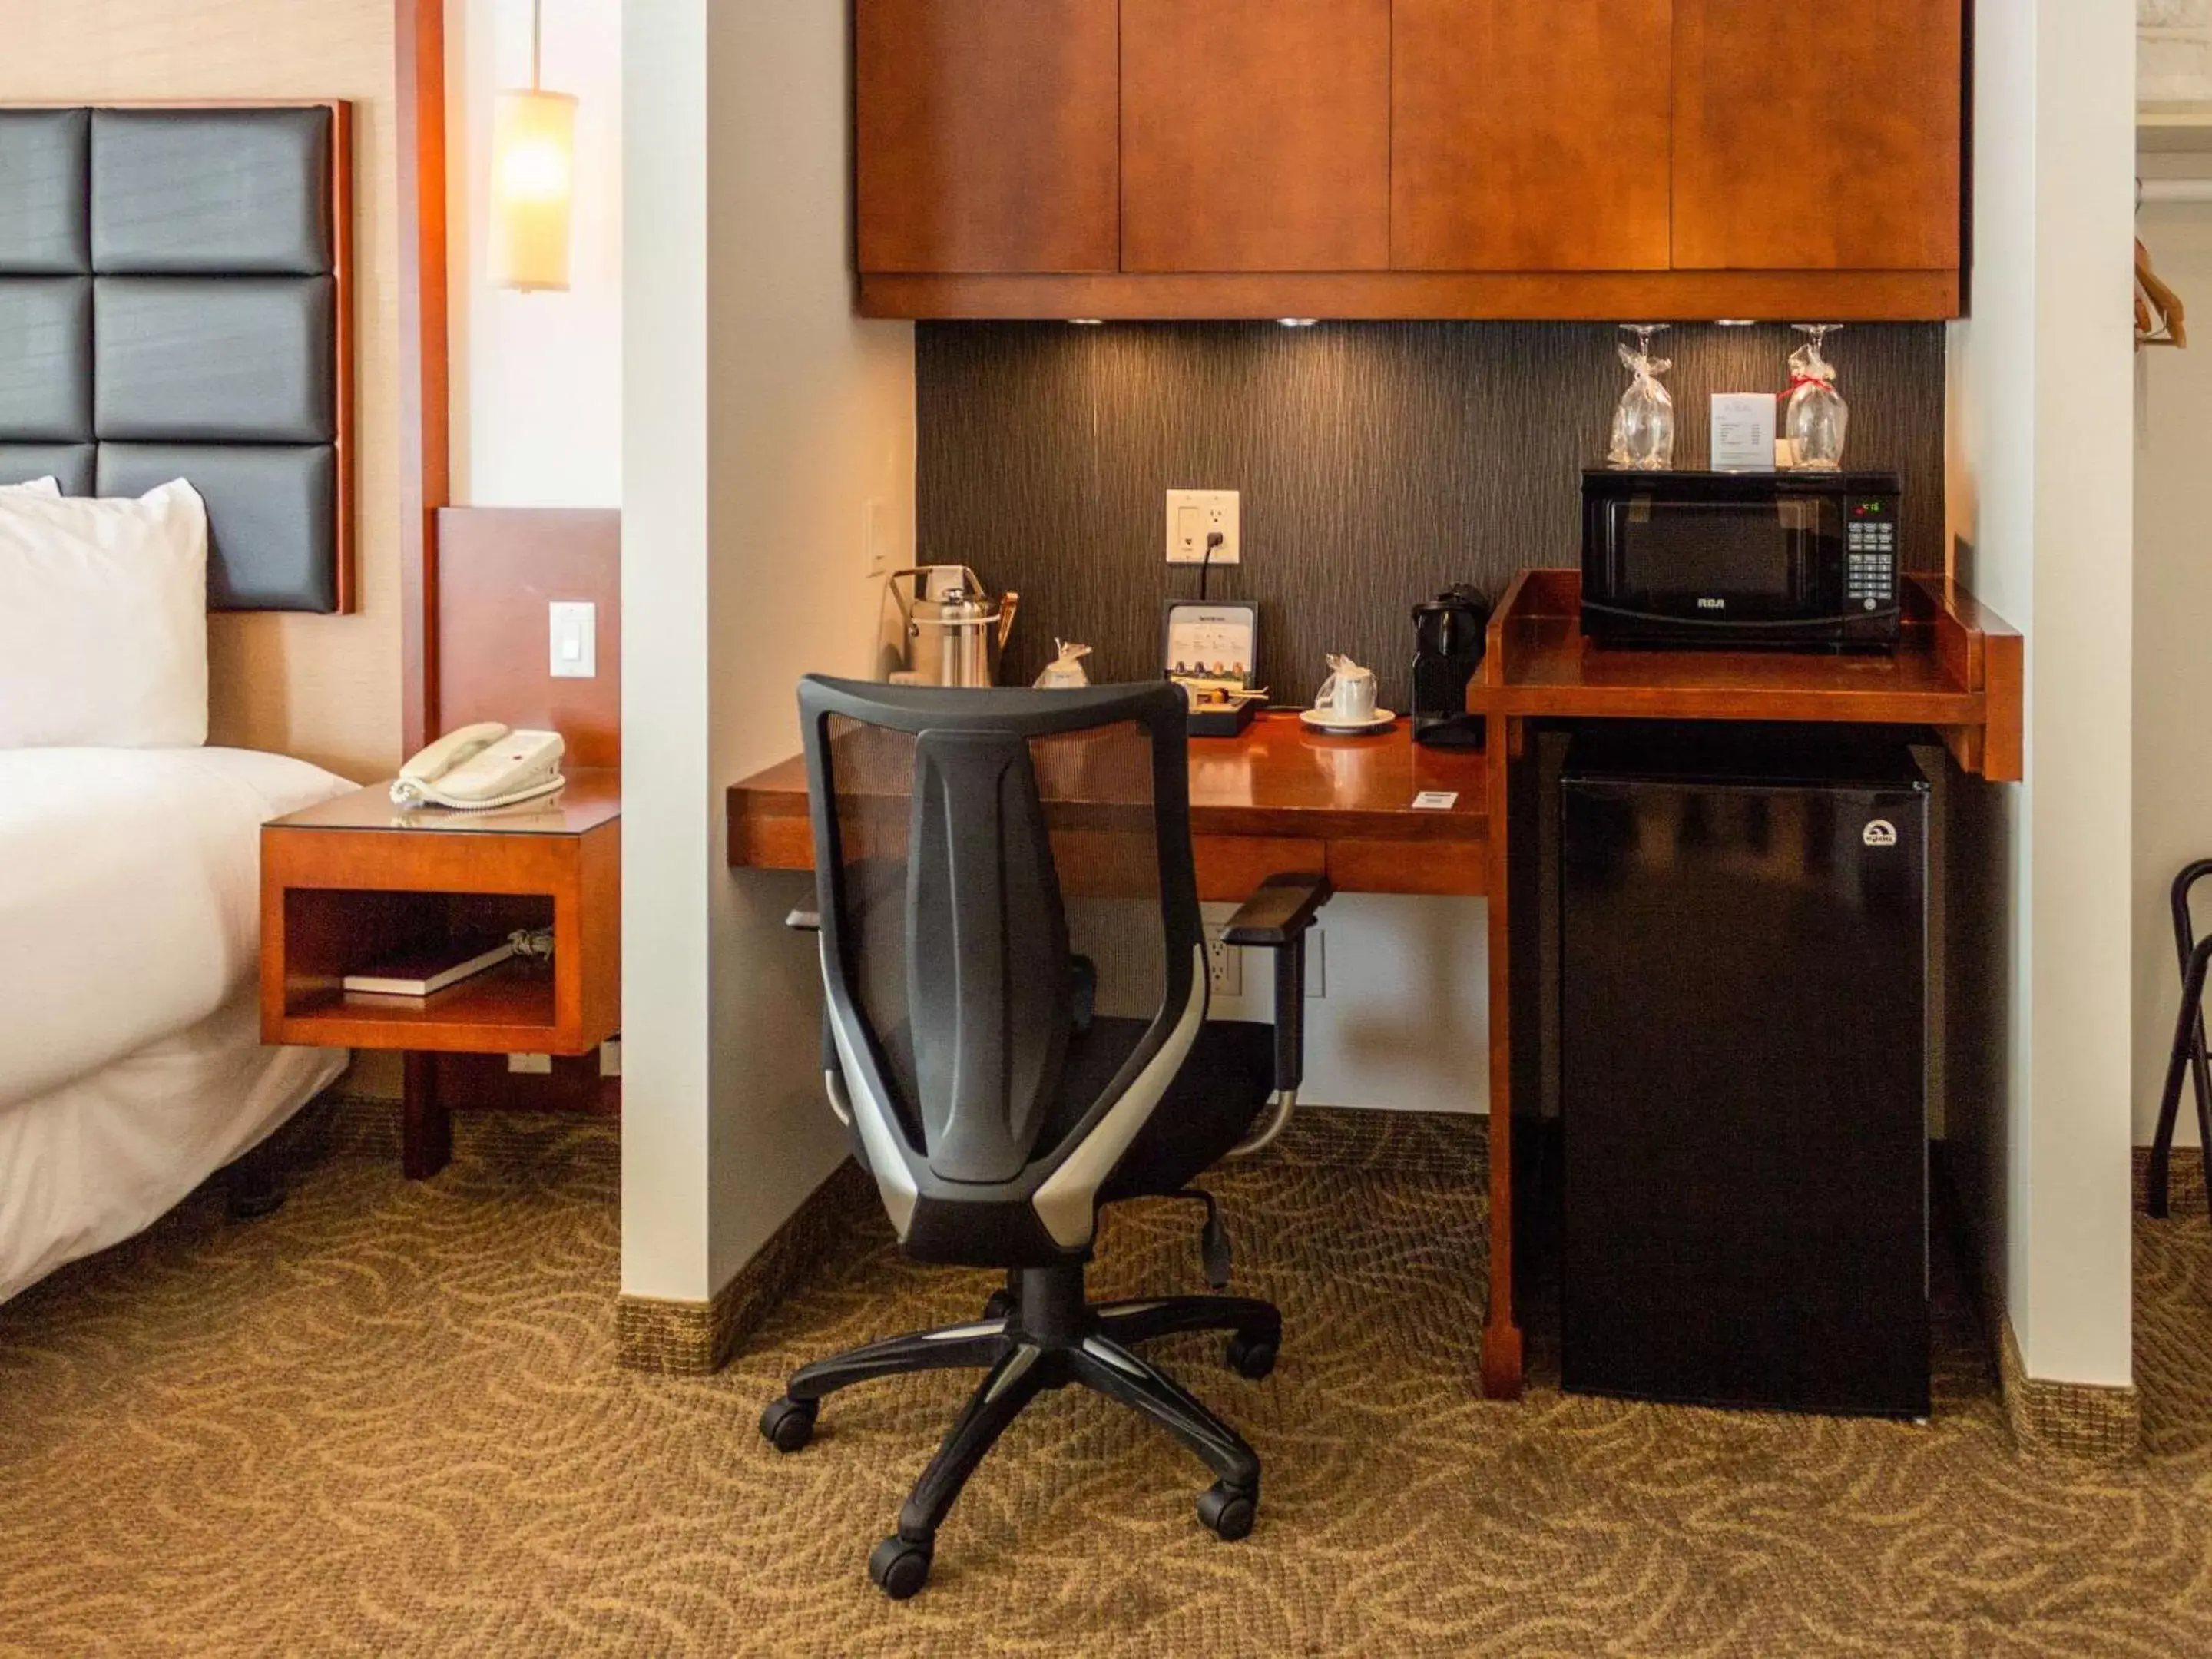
(103, 620)
(45, 486)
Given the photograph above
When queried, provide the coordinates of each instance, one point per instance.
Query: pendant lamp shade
(533, 165)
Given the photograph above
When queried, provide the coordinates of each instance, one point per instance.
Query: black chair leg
(2188, 1049)
(900, 1565)
(956, 1348)
(1113, 1370)
(1140, 1321)
(997, 1401)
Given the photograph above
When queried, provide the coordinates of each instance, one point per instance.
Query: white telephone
(480, 767)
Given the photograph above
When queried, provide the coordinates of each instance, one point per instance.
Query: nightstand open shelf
(355, 882)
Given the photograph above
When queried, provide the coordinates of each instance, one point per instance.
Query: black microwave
(1741, 560)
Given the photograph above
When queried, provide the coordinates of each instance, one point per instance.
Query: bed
(174, 374)
(131, 1065)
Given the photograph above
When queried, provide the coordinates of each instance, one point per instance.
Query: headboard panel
(174, 302)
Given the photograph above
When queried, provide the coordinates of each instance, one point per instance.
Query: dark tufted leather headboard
(174, 303)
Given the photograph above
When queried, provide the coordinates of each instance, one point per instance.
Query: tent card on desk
(1743, 432)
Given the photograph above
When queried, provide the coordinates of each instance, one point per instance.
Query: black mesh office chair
(995, 1106)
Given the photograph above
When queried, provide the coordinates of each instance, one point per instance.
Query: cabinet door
(1530, 137)
(1256, 135)
(1817, 135)
(988, 135)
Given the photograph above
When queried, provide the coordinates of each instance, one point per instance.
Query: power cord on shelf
(532, 944)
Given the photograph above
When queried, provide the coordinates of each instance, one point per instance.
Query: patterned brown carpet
(388, 1420)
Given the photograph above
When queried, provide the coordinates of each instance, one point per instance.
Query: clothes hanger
(2160, 317)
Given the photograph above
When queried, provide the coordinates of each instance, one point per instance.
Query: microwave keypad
(1870, 581)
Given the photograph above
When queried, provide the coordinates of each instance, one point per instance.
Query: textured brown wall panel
(1377, 462)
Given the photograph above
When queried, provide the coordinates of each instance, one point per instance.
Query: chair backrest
(952, 829)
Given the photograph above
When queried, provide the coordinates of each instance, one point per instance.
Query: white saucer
(1323, 719)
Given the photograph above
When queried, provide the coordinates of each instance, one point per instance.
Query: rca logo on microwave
(1881, 832)
(1712, 605)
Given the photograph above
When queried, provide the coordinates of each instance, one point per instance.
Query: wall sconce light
(533, 153)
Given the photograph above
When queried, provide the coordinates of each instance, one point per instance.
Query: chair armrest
(1279, 912)
(803, 922)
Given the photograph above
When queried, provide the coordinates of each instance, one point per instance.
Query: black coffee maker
(1448, 634)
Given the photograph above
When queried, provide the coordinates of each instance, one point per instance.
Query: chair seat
(1211, 1105)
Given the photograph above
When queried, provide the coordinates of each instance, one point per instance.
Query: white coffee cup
(1347, 695)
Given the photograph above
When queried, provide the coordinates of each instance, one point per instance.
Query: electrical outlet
(538, 1065)
(1317, 964)
(1224, 965)
(610, 1057)
(1195, 514)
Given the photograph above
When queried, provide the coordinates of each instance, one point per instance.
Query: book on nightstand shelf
(420, 973)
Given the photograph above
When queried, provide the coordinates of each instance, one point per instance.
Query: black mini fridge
(1744, 975)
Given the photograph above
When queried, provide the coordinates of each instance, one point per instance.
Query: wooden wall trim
(425, 452)
(345, 295)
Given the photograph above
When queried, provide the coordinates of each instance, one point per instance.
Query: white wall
(536, 379)
(2173, 646)
(759, 419)
(2040, 493)
(1403, 1019)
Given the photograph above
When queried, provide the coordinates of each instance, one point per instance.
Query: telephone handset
(481, 767)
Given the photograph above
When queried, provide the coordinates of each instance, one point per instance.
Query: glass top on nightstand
(591, 796)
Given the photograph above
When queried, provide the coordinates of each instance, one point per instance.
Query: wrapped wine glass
(1816, 418)
(1644, 422)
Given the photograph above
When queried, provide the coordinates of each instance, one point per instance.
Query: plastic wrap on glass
(1065, 670)
(1643, 423)
(1816, 419)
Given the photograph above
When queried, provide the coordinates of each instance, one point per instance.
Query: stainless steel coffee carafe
(942, 627)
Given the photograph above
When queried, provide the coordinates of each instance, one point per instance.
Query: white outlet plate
(538, 1065)
(876, 551)
(1194, 514)
(574, 642)
(1224, 965)
(610, 1057)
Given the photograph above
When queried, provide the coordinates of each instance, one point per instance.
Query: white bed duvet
(130, 902)
(130, 1059)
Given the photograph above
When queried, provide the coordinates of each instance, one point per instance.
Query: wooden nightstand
(357, 880)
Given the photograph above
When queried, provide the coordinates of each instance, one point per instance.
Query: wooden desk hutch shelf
(356, 880)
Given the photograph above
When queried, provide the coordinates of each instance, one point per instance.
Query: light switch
(575, 639)
(876, 547)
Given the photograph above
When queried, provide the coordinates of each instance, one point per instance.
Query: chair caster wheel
(997, 1305)
(1251, 1356)
(1229, 1512)
(899, 1566)
(787, 1425)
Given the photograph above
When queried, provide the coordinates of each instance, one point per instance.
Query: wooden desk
(1279, 798)
(1283, 799)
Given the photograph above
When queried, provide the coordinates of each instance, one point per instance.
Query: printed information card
(1743, 432)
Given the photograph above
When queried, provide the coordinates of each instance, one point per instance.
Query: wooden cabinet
(1530, 138)
(1577, 159)
(988, 135)
(1256, 135)
(1819, 137)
